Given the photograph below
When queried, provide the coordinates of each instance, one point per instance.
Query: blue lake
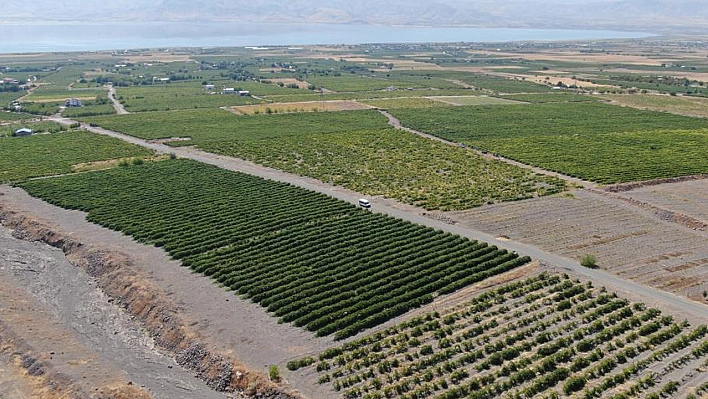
(35, 36)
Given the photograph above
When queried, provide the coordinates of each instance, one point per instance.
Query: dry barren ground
(688, 197)
(70, 326)
(626, 240)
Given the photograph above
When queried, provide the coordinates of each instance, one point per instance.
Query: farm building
(244, 93)
(209, 87)
(23, 132)
(229, 90)
(74, 102)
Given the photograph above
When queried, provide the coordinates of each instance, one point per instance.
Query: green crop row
(394, 164)
(315, 261)
(593, 141)
(50, 154)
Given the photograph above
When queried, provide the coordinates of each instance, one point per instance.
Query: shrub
(589, 261)
(574, 384)
(274, 373)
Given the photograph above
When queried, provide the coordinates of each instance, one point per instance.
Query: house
(209, 87)
(74, 102)
(23, 132)
(244, 93)
(229, 90)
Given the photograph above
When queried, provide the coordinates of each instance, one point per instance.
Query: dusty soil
(76, 329)
(190, 316)
(687, 197)
(627, 241)
(304, 106)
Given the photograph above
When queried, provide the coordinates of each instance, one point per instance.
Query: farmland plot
(625, 241)
(317, 262)
(548, 336)
(50, 154)
(351, 149)
(592, 141)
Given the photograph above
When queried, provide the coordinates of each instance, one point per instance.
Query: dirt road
(120, 109)
(663, 300)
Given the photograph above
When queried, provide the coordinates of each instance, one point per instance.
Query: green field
(90, 108)
(175, 97)
(495, 84)
(348, 83)
(405, 102)
(549, 97)
(14, 117)
(317, 262)
(8, 130)
(368, 95)
(209, 125)
(394, 164)
(593, 141)
(51, 154)
(546, 337)
(353, 149)
(7, 97)
(474, 100)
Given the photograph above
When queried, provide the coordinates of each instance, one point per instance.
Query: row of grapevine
(317, 262)
(548, 335)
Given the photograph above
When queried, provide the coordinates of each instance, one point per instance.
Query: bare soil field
(304, 106)
(681, 105)
(688, 197)
(626, 240)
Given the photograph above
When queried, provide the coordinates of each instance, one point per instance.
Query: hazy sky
(632, 14)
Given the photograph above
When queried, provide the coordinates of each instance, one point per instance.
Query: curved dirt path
(662, 299)
(120, 109)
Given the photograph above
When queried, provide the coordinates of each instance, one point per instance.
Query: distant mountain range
(670, 16)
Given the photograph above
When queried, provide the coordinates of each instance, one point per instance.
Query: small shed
(244, 93)
(209, 87)
(23, 132)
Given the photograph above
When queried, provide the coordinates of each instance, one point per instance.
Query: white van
(364, 203)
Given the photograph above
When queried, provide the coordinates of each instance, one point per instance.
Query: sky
(578, 14)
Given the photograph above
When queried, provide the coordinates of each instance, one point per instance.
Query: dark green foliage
(315, 261)
(51, 154)
(593, 141)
